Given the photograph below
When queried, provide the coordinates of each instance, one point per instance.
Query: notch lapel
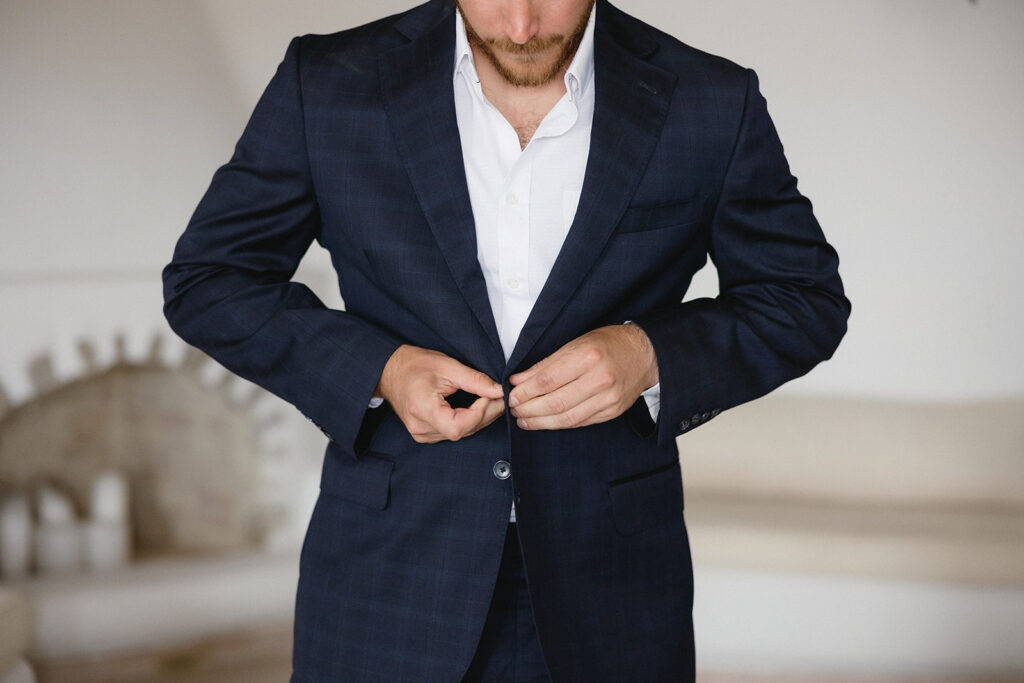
(418, 94)
(632, 99)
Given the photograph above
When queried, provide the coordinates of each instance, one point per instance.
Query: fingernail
(522, 423)
(513, 401)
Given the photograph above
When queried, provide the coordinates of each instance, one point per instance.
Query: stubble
(524, 68)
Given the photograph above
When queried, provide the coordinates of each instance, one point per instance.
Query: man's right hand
(416, 382)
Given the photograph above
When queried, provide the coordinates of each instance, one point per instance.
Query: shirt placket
(514, 248)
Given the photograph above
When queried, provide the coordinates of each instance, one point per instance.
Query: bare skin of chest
(524, 110)
(525, 133)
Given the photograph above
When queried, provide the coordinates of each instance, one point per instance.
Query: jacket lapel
(417, 90)
(632, 99)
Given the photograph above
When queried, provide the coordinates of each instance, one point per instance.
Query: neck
(524, 107)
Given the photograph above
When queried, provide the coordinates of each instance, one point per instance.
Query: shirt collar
(578, 77)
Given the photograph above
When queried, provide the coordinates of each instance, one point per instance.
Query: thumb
(474, 381)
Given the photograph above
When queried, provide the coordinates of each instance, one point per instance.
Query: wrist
(649, 364)
(387, 375)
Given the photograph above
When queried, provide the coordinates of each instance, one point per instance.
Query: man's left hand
(592, 379)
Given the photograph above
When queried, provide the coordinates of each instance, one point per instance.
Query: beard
(526, 65)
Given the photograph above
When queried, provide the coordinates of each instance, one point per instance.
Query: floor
(717, 677)
(256, 657)
(264, 657)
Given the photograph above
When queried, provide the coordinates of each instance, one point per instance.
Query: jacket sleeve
(227, 289)
(781, 308)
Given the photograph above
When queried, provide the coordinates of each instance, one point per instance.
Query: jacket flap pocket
(645, 500)
(366, 480)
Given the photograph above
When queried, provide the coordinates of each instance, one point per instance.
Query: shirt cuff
(652, 397)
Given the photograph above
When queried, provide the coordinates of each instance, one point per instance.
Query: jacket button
(502, 470)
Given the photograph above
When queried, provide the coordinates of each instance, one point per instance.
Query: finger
(473, 381)
(552, 373)
(592, 411)
(493, 409)
(462, 422)
(428, 421)
(572, 347)
(559, 401)
(526, 374)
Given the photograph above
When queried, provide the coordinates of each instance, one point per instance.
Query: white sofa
(189, 615)
(833, 539)
(874, 539)
(14, 638)
(858, 487)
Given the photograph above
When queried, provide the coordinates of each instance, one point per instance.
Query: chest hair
(526, 132)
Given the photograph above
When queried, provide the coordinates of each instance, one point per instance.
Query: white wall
(901, 119)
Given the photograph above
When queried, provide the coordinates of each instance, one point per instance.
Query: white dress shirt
(524, 199)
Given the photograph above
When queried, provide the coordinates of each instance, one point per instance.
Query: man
(515, 195)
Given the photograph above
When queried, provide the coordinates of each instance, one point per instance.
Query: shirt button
(512, 283)
(512, 199)
(502, 469)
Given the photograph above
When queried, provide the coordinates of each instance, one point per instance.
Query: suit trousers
(509, 650)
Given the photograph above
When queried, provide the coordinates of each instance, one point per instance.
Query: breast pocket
(659, 217)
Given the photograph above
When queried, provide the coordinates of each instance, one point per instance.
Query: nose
(521, 20)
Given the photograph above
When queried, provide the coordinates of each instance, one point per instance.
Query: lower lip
(529, 55)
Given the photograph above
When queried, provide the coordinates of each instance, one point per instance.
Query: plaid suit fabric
(354, 145)
(509, 650)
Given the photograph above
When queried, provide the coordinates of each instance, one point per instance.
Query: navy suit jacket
(355, 145)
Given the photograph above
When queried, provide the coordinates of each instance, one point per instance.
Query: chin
(531, 72)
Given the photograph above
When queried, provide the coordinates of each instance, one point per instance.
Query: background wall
(901, 117)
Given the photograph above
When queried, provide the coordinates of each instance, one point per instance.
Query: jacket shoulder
(364, 44)
(689, 64)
